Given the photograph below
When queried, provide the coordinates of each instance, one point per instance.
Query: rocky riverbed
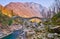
(4, 31)
(31, 32)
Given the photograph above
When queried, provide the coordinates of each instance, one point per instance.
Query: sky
(45, 3)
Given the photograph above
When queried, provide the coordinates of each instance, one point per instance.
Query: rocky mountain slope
(37, 8)
(25, 9)
(6, 11)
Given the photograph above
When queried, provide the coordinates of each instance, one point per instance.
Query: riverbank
(8, 30)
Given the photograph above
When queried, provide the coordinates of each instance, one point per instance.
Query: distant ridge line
(27, 18)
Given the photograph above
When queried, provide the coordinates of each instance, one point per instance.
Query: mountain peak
(1, 5)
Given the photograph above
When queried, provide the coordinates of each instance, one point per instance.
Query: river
(14, 35)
